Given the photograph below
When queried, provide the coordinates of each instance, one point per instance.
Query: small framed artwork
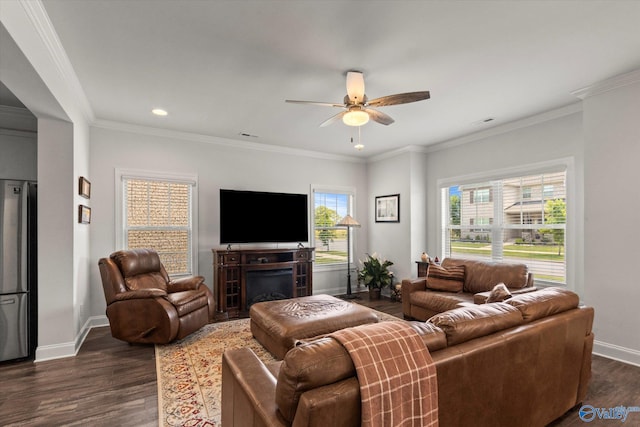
(388, 208)
(84, 188)
(84, 214)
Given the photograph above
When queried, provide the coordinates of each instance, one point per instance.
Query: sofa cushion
(445, 279)
(437, 301)
(141, 269)
(433, 337)
(145, 281)
(466, 323)
(499, 293)
(482, 276)
(544, 302)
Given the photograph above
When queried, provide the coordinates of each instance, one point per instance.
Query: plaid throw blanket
(397, 376)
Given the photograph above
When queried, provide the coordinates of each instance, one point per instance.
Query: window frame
(562, 164)
(178, 178)
(351, 193)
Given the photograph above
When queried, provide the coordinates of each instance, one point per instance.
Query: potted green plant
(374, 273)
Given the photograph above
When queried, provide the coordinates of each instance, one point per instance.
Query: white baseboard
(70, 349)
(616, 352)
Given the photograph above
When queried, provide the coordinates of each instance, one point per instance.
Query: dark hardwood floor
(111, 383)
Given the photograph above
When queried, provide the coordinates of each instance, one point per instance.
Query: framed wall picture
(388, 208)
(84, 214)
(84, 188)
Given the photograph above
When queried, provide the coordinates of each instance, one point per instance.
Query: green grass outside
(549, 277)
(537, 252)
(329, 257)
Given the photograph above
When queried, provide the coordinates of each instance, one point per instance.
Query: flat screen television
(263, 217)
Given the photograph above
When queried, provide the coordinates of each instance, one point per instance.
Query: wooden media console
(246, 276)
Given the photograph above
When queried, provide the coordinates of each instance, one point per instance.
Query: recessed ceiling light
(159, 112)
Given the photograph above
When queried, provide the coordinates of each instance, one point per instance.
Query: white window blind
(158, 214)
(517, 219)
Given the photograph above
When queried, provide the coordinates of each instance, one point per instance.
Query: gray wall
(218, 164)
(18, 155)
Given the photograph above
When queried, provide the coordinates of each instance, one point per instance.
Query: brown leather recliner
(145, 306)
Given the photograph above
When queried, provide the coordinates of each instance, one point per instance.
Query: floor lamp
(348, 222)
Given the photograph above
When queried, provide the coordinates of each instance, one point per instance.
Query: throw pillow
(445, 279)
(499, 293)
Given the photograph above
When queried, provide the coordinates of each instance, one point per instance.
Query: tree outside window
(330, 241)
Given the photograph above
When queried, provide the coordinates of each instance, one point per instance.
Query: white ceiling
(222, 68)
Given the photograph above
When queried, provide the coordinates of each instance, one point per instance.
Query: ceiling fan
(356, 105)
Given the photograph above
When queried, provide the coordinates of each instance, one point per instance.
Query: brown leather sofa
(524, 362)
(145, 306)
(425, 297)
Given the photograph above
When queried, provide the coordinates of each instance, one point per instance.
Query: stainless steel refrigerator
(17, 269)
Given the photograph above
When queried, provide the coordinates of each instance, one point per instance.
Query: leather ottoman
(277, 325)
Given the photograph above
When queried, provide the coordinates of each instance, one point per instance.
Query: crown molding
(17, 119)
(546, 116)
(397, 152)
(222, 142)
(35, 11)
(18, 112)
(608, 85)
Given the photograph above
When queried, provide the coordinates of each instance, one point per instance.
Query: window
(329, 207)
(482, 195)
(518, 219)
(158, 213)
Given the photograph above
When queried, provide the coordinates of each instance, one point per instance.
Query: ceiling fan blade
(333, 119)
(355, 87)
(399, 98)
(322, 104)
(379, 117)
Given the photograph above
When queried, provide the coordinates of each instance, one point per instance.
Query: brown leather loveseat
(459, 280)
(145, 306)
(524, 362)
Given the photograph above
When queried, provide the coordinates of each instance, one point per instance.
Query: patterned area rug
(189, 372)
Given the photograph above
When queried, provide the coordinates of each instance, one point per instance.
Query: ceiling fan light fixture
(355, 117)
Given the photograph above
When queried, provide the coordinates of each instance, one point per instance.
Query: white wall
(391, 240)
(612, 150)
(81, 235)
(218, 164)
(55, 239)
(511, 148)
(37, 72)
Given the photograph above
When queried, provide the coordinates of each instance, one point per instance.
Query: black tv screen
(262, 217)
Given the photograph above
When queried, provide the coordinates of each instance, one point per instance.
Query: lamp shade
(355, 117)
(348, 221)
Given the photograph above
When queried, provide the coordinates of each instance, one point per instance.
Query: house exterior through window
(517, 219)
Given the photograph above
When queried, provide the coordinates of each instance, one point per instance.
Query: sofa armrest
(140, 294)
(409, 286)
(190, 283)
(248, 391)
(336, 405)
